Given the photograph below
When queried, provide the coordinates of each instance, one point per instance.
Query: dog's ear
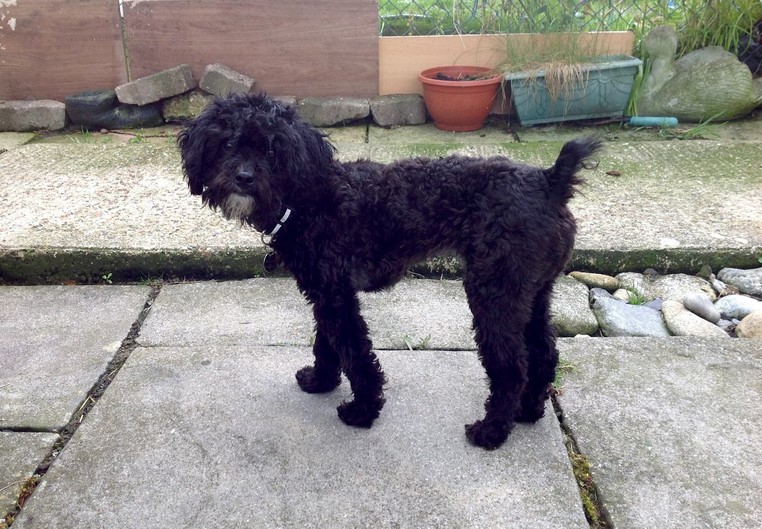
(300, 148)
(317, 147)
(198, 142)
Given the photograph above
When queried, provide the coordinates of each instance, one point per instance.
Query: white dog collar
(268, 237)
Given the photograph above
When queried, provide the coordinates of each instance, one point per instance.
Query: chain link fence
(708, 21)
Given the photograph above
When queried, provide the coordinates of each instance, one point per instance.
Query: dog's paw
(487, 435)
(359, 414)
(312, 381)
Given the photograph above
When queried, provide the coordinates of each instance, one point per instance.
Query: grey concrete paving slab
(254, 311)
(20, 455)
(668, 204)
(428, 134)
(347, 134)
(351, 151)
(54, 344)
(671, 428)
(125, 196)
(222, 437)
(11, 140)
(389, 153)
(672, 195)
(432, 314)
(271, 311)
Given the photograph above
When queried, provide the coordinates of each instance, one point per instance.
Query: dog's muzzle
(237, 207)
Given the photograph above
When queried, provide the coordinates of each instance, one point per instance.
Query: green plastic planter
(604, 95)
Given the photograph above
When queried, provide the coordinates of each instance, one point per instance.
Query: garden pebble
(672, 286)
(737, 306)
(721, 288)
(700, 304)
(750, 326)
(617, 318)
(596, 292)
(654, 304)
(632, 281)
(622, 295)
(682, 322)
(747, 281)
(596, 280)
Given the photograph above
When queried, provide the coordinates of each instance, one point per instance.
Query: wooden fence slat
(50, 49)
(291, 47)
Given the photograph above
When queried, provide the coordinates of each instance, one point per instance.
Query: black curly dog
(344, 227)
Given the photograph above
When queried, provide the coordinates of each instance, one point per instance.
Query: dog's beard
(237, 207)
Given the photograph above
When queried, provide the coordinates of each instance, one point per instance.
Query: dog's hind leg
(501, 310)
(325, 374)
(540, 341)
(344, 337)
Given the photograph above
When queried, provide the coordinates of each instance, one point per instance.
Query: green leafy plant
(106, 278)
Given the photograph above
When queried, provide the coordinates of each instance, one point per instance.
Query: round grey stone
(682, 322)
(700, 305)
(747, 281)
(737, 306)
(621, 319)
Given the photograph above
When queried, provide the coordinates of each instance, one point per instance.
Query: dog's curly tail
(562, 176)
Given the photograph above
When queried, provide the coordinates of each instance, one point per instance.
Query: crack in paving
(128, 345)
(595, 512)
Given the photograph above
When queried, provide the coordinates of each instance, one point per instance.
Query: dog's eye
(229, 145)
(271, 153)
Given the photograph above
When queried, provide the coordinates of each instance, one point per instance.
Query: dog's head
(245, 153)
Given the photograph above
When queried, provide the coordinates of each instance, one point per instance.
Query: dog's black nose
(244, 178)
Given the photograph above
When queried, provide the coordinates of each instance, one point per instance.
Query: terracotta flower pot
(459, 105)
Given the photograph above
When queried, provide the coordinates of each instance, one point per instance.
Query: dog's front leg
(342, 340)
(325, 374)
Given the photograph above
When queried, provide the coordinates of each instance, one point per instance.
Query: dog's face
(244, 153)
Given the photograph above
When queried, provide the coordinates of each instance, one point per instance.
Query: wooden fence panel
(50, 49)
(291, 47)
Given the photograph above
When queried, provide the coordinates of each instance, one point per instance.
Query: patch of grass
(84, 136)
(716, 23)
(563, 368)
(635, 298)
(419, 346)
(138, 138)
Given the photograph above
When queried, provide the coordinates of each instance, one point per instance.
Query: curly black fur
(360, 225)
